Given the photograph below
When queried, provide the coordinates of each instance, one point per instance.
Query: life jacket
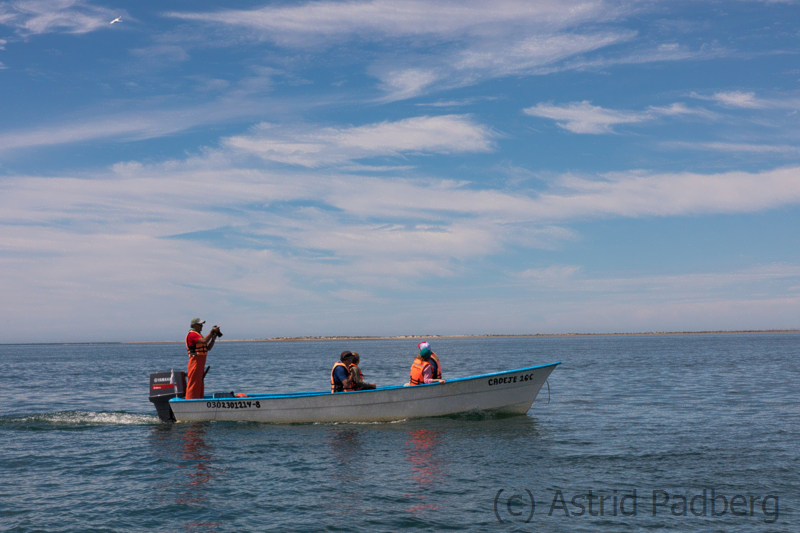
(416, 371)
(339, 387)
(437, 366)
(196, 349)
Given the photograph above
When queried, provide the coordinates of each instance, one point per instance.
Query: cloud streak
(749, 100)
(571, 278)
(485, 59)
(633, 194)
(295, 25)
(133, 125)
(583, 117)
(748, 148)
(35, 17)
(446, 44)
(313, 147)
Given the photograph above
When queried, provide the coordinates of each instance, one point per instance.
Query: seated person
(357, 377)
(340, 373)
(422, 369)
(437, 366)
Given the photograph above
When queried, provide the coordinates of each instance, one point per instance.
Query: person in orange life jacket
(341, 380)
(357, 377)
(434, 361)
(422, 369)
(198, 346)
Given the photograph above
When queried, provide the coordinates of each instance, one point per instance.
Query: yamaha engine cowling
(162, 390)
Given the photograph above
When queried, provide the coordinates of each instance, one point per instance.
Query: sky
(393, 168)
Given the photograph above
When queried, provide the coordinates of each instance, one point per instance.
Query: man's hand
(211, 338)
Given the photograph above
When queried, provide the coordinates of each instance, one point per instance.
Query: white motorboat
(512, 392)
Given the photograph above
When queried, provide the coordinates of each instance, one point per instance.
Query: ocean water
(647, 428)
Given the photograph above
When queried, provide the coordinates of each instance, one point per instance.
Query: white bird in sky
(118, 19)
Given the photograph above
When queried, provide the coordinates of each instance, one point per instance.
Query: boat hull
(510, 392)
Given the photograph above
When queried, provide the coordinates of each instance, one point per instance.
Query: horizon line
(402, 337)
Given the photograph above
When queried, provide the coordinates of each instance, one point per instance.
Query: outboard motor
(162, 390)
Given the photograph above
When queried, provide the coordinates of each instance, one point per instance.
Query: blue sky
(388, 168)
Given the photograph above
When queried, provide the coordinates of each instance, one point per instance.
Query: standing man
(198, 347)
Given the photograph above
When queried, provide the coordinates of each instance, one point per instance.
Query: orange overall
(197, 365)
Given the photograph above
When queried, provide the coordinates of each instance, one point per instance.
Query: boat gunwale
(321, 393)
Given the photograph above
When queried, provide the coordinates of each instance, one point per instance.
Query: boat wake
(359, 423)
(76, 419)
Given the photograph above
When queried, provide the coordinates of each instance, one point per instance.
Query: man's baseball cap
(424, 348)
(196, 320)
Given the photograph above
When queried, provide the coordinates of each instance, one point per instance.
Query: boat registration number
(240, 404)
(510, 379)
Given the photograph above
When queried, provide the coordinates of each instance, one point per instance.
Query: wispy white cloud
(749, 100)
(375, 168)
(678, 109)
(749, 148)
(449, 103)
(583, 117)
(407, 83)
(132, 125)
(484, 59)
(445, 44)
(572, 278)
(738, 99)
(295, 25)
(314, 146)
(505, 58)
(636, 194)
(31, 17)
(638, 56)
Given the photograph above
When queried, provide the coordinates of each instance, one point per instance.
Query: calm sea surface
(664, 416)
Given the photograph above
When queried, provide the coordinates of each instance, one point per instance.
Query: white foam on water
(91, 418)
(360, 423)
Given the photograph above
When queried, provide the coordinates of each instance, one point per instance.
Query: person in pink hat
(423, 370)
(437, 366)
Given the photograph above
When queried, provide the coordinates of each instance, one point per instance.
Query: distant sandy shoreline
(415, 337)
(533, 335)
